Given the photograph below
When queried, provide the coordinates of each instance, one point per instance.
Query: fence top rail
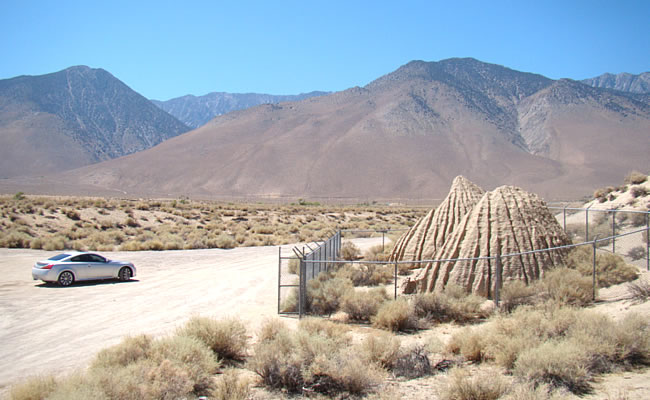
(591, 242)
(374, 230)
(597, 209)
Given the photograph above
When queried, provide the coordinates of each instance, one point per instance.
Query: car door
(99, 268)
(79, 266)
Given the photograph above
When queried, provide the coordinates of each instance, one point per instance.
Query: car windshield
(58, 257)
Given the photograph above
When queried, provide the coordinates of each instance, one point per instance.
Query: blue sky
(165, 49)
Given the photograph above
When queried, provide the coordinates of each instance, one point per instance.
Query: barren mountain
(405, 135)
(73, 118)
(624, 82)
(196, 111)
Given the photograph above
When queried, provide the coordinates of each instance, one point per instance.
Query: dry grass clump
(315, 358)
(516, 293)
(361, 305)
(350, 251)
(559, 346)
(325, 293)
(635, 178)
(35, 388)
(396, 315)
(366, 274)
(469, 385)
(611, 269)
(452, 304)
(227, 338)
(381, 348)
(639, 290)
(412, 363)
(134, 225)
(230, 386)
(567, 286)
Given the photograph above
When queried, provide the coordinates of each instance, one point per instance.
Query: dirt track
(46, 329)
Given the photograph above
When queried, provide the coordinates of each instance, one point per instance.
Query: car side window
(96, 258)
(78, 258)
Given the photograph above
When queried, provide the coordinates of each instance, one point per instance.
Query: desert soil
(46, 329)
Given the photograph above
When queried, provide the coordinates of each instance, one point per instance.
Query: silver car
(66, 268)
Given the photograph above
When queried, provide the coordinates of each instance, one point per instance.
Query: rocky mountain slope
(196, 111)
(73, 118)
(405, 135)
(624, 82)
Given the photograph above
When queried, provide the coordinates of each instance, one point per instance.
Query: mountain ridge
(196, 111)
(84, 115)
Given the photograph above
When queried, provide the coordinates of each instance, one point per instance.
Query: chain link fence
(616, 231)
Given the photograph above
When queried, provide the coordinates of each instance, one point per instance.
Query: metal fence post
(587, 225)
(279, 276)
(302, 296)
(497, 286)
(614, 231)
(594, 271)
(564, 213)
(395, 280)
(647, 241)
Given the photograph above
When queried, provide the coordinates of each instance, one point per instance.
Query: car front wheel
(125, 274)
(66, 278)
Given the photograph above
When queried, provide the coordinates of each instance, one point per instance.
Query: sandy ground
(47, 329)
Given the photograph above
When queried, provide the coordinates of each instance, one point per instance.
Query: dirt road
(47, 329)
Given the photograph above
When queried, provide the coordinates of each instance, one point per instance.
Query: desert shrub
(568, 286)
(639, 290)
(324, 294)
(294, 266)
(350, 251)
(363, 305)
(637, 253)
(35, 388)
(130, 350)
(291, 302)
(468, 343)
(381, 348)
(189, 354)
(395, 315)
(140, 367)
(638, 219)
(535, 391)
(611, 269)
(376, 253)
(230, 386)
(452, 304)
(601, 194)
(635, 178)
(412, 363)
(558, 363)
(366, 274)
(466, 385)
(316, 357)
(225, 241)
(638, 191)
(227, 338)
(516, 293)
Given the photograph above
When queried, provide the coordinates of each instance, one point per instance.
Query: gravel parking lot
(47, 329)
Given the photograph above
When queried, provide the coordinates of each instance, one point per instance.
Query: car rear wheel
(66, 278)
(124, 274)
